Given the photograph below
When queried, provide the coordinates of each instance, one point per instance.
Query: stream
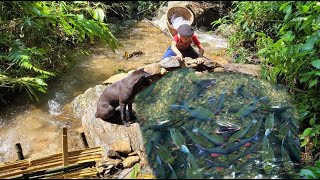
(37, 126)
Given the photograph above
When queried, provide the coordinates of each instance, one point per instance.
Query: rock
(218, 69)
(115, 78)
(132, 154)
(122, 146)
(250, 69)
(113, 154)
(153, 69)
(163, 71)
(169, 62)
(130, 161)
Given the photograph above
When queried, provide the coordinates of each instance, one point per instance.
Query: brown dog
(122, 93)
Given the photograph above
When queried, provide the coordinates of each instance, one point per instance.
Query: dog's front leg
(130, 111)
(123, 114)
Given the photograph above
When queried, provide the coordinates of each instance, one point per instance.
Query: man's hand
(200, 60)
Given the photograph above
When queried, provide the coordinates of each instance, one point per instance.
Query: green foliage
(311, 172)
(36, 37)
(286, 36)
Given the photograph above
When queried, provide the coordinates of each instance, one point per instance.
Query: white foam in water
(216, 40)
(54, 107)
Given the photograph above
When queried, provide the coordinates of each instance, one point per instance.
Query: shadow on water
(218, 125)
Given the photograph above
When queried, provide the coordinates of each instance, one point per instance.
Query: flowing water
(38, 126)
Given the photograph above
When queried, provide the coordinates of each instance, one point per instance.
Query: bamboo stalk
(28, 165)
(50, 165)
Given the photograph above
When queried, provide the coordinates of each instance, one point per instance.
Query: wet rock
(115, 78)
(153, 69)
(130, 161)
(250, 69)
(169, 62)
(122, 146)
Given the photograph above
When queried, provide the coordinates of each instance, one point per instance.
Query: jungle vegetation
(285, 36)
(36, 38)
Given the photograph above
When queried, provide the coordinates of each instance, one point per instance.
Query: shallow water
(37, 126)
(186, 102)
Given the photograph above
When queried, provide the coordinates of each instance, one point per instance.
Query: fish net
(255, 119)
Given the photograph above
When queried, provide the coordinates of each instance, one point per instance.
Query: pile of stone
(119, 161)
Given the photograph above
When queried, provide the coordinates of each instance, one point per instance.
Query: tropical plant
(37, 35)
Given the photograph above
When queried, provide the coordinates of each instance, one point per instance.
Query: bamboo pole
(84, 140)
(19, 151)
(65, 154)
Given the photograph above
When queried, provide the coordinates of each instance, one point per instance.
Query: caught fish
(247, 109)
(217, 163)
(283, 131)
(234, 157)
(165, 124)
(216, 139)
(287, 163)
(173, 173)
(267, 153)
(294, 147)
(193, 171)
(177, 137)
(241, 133)
(255, 128)
(288, 118)
(164, 154)
(198, 139)
(219, 105)
(227, 148)
(198, 113)
(240, 90)
(269, 123)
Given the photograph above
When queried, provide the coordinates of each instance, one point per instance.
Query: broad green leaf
(316, 63)
(312, 121)
(313, 82)
(317, 73)
(307, 132)
(307, 173)
(284, 5)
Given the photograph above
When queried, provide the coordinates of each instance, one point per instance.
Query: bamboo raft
(74, 164)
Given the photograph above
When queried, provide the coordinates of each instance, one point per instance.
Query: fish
(177, 137)
(216, 139)
(198, 139)
(287, 163)
(173, 173)
(193, 171)
(234, 157)
(219, 105)
(216, 163)
(241, 133)
(185, 149)
(200, 86)
(269, 123)
(283, 131)
(284, 115)
(164, 154)
(247, 109)
(199, 113)
(164, 125)
(227, 148)
(160, 171)
(255, 128)
(240, 90)
(294, 147)
(267, 154)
